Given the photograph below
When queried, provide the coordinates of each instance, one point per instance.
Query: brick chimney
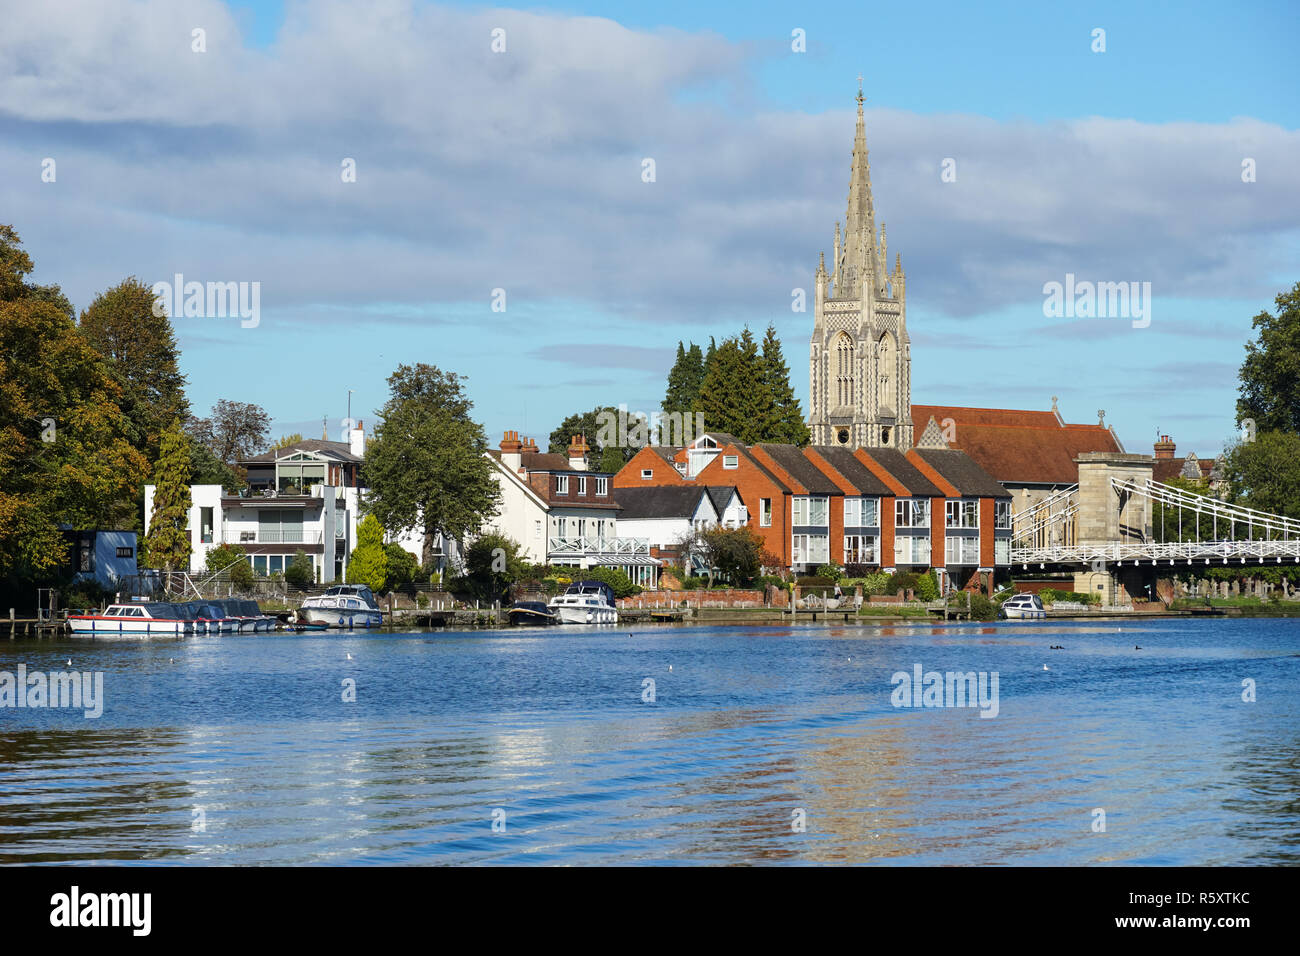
(578, 453)
(512, 450)
(1165, 447)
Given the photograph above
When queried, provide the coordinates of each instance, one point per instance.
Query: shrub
(300, 571)
(492, 564)
(832, 571)
(402, 566)
(233, 559)
(902, 581)
(616, 579)
(815, 581)
(981, 608)
(875, 583)
(927, 586)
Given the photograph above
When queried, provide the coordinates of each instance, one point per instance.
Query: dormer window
(582, 486)
(561, 484)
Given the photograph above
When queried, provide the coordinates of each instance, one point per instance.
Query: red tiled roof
(1019, 446)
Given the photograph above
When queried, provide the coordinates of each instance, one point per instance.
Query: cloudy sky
(521, 170)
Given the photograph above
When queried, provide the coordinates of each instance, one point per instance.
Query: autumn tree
(427, 467)
(140, 347)
(65, 452)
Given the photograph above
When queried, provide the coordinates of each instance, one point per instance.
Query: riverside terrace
(885, 508)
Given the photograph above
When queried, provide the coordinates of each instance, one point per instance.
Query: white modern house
(667, 516)
(305, 497)
(562, 513)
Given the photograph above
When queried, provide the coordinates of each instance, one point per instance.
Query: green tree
(207, 469)
(65, 449)
(233, 431)
(1270, 374)
(735, 553)
(682, 397)
(369, 562)
(734, 397)
(493, 563)
(167, 545)
(427, 467)
(786, 424)
(1265, 474)
(402, 565)
(600, 427)
(137, 340)
(285, 441)
(234, 559)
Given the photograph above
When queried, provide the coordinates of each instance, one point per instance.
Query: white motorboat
(142, 619)
(586, 602)
(1025, 606)
(344, 605)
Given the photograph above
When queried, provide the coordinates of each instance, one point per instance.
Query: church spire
(859, 249)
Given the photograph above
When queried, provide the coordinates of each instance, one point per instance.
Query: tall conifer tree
(786, 423)
(167, 545)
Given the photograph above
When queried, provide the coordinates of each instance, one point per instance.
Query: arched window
(843, 370)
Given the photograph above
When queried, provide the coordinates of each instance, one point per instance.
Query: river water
(752, 745)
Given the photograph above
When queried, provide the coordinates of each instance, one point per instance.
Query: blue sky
(521, 171)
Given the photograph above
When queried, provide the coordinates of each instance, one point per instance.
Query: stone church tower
(860, 367)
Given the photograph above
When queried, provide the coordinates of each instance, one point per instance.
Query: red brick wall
(753, 485)
(887, 532)
(986, 532)
(719, 597)
(938, 532)
(629, 475)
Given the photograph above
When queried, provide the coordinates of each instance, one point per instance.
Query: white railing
(1035, 524)
(585, 545)
(1217, 510)
(1168, 552)
(269, 536)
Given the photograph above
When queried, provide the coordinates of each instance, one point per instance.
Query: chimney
(1165, 447)
(512, 450)
(357, 440)
(578, 453)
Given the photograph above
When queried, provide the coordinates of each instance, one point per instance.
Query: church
(860, 370)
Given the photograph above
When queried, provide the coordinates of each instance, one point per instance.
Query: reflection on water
(241, 750)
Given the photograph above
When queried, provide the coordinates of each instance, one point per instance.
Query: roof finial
(860, 96)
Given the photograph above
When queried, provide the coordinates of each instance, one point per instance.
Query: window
(811, 511)
(602, 487)
(582, 486)
(205, 524)
(561, 484)
(810, 549)
(126, 552)
(861, 512)
(962, 514)
(1002, 550)
(647, 474)
(765, 512)
(730, 461)
(297, 479)
(860, 549)
(909, 549)
(1002, 513)
(279, 527)
(560, 526)
(911, 513)
(961, 550)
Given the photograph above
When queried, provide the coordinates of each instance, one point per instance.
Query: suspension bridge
(1118, 519)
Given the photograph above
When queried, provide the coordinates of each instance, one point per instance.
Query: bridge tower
(1108, 516)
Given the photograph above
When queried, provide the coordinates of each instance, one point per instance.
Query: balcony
(588, 546)
(272, 536)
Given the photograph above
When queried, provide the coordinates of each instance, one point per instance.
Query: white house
(562, 513)
(304, 497)
(667, 515)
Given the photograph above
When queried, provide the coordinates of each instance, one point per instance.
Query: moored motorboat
(523, 613)
(586, 602)
(344, 605)
(133, 619)
(1024, 606)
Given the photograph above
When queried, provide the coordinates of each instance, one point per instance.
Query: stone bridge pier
(1107, 516)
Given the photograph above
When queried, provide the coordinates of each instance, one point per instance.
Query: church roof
(1020, 446)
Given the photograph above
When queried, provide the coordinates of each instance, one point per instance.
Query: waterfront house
(668, 516)
(104, 557)
(562, 513)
